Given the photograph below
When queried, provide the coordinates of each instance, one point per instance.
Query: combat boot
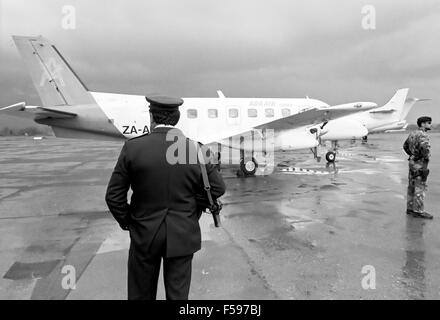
(423, 215)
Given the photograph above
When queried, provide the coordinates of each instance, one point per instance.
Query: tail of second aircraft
(399, 105)
(56, 82)
(395, 107)
(409, 103)
(392, 115)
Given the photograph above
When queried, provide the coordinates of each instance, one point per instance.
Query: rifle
(214, 207)
(423, 172)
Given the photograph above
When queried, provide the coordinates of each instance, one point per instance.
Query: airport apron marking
(296, 170)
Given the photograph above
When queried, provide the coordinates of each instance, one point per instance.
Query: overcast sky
(191, 48)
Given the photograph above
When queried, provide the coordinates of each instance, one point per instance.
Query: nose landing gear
(330, 156)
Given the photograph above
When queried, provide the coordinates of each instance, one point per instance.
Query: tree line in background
(435, 127)
(29, 131)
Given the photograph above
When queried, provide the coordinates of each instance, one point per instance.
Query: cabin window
(191, 113)
(269, 112)
(212, 113)
(285, 112)
(252, 113)
(233, 113)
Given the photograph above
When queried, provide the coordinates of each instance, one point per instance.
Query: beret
(423, 119)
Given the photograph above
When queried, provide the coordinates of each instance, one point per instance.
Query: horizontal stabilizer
(409, 103)
(417, 99)
(41, 112)
(36, 112)
(15, 107)
(384, 111)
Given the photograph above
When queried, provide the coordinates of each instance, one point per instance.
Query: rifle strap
(204, 174)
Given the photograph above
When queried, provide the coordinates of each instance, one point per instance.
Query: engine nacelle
(296, 139)
(398, 125)
(343, 129)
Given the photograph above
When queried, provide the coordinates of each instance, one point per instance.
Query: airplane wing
(35, 112)
(309, 117)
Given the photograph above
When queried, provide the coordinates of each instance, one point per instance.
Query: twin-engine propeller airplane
(72, 111)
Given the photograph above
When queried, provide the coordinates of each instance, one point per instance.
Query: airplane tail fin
(56, 82)
(397, 102)
(409, 103)
(395, 106)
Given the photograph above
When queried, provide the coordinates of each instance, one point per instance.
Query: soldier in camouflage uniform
(418, 149)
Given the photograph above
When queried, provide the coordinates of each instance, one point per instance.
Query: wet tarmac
(296, 234)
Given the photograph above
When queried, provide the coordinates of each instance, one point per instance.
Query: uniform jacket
(417, 146)
(162, 191)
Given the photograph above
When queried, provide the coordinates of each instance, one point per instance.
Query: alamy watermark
(368, 21)
(232, 150)
(68, 20)
(368, 281)
(68, 282)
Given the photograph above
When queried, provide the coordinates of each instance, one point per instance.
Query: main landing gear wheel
(248, 166)
(330, 156)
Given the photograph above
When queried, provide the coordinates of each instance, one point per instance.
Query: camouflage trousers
(416, 189)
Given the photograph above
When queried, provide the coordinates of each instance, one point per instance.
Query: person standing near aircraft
(162, 217)
(418, 149)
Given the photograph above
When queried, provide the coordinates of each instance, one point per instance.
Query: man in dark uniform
(162, 216)
(418, 149)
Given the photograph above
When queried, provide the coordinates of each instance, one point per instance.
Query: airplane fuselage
(214, 119)
(202, 119)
